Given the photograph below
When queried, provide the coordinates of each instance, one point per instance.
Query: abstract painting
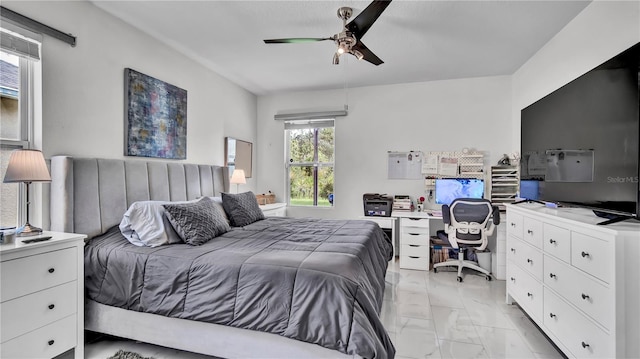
(156, 117)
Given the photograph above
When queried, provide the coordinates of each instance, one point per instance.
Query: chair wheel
(459, 279)
(435, 270)
(488, 278)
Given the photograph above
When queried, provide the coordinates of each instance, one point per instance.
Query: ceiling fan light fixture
(342, 48)
(336, 59)
(357, 54)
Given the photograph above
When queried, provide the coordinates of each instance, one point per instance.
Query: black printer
(376, 204)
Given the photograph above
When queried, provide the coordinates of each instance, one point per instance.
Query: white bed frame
(90, 196)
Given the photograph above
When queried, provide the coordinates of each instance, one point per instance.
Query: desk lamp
(27, 166)
(238, 178)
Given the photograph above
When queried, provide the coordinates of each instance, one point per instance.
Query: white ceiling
(418, 40)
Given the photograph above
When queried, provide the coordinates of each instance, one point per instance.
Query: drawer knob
(584, 296)
(552, 315)
(52, 341)
(529, 260)
(51, 270)
(551, 275)
(584, 345)
(51, 306)
(513, 250)
(513, 279)
(529, 231)
(584, 254)
(513, 224)
(552, 241)
(529, 294)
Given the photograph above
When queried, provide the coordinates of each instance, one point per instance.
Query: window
(16, 117)
(310, 160)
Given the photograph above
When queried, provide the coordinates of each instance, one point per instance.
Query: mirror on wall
(237, 154)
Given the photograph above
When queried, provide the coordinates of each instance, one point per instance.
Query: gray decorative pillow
(197, 222)
(242, 209)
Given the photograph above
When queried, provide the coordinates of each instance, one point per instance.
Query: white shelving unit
(505, 183)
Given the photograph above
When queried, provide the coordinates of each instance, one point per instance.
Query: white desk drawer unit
(414, 243)
(581, 282)
(42, 291)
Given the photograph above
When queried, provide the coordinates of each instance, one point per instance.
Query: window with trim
(310, 154)
(17, 57)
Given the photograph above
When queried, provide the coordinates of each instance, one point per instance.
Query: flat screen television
(448, 189)
(581, 142)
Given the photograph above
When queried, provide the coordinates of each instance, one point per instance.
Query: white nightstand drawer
(532, 231)
(414, 222)
(592, 255)
(557, 242)
(583, 338)
(415, 250)
(24, 314)
(46, 342)
(29, 274)
(414, 262)
(581, 290)
(415, 238)
(415, 230)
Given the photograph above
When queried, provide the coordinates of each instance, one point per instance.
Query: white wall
(83, 86)
(429, 116)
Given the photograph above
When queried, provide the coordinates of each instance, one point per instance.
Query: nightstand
(274, 209)
(42, 297)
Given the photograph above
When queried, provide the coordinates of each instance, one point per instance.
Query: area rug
(121, 354)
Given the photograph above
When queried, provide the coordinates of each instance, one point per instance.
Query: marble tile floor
(427, 315)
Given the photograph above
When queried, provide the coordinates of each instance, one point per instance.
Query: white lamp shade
(238, 177)
(27, 166)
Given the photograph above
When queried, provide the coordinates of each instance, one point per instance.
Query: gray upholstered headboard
(90, 195)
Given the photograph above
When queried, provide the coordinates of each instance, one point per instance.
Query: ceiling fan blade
(296, 40)
(361, 24)
(367, 55)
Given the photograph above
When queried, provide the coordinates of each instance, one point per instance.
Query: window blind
(304, 124)
(19, 46)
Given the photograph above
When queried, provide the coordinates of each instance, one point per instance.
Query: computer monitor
(530, 189)
(448, 189)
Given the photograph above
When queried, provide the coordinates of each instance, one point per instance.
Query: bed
(278, 287)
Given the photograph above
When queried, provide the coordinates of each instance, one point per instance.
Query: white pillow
(144, 224)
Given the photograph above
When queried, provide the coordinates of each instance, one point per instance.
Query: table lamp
(238, 178)
(27, 166)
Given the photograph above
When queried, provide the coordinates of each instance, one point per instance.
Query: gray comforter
(318, 281)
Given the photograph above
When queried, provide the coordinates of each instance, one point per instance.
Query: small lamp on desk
(238, 178)
(27, 166)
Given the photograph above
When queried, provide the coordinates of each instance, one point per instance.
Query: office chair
(467, 225)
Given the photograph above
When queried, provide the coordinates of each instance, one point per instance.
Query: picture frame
(155, 117)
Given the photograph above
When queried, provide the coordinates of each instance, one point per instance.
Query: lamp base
(29, 230)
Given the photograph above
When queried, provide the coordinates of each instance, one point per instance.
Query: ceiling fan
(348, 40)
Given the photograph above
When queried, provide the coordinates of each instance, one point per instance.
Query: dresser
(274, 209)
(42, 297)
(580, 282)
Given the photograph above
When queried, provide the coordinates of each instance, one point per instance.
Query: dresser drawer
(532, 232)
(527, 290)
(580, 335)
(46, 342)
(26, 313)
(557, 242)
(514, 224)
(414, 262)
(592, 255)
(414, 222)
(593, 298)
(415, 250)
(29, 274)
(530, 259)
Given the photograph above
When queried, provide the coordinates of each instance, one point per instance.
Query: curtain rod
(36, 26)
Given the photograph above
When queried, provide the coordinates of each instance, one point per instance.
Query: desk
(416, 229)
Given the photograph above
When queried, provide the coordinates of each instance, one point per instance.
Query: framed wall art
(155, 117)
